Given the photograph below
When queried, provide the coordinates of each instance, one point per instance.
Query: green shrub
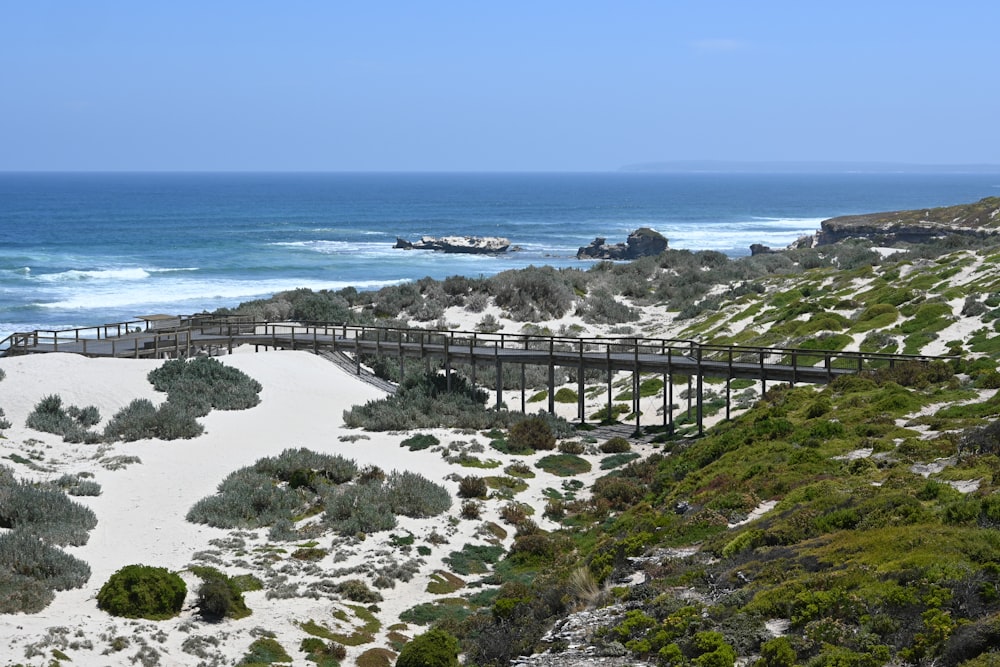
(563, 465)
(332, 468)
(532, 294)
(532, 433)
(141, 420)
(248, 499)
(420, 441)
(615, 445)
(31, 569)
(472, 486)
(219, 596)
(566, 395)
(264, 651)
(434, 648)
(473, 558)
(143, 591)
(324, 654)
(75, 485)
(71, 423)
(357, 591)
(205, 379)
(44, 512)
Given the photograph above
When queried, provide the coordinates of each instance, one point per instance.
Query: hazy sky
(493, 86)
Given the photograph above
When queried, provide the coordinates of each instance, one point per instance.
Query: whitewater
(84, 248)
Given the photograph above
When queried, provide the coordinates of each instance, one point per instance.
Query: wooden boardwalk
(187, 336)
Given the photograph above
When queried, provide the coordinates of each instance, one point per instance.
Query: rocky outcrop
(477, 245)
(981, 220)
(643, 242)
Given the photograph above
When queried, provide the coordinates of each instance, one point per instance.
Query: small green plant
(532, 433)
(434, 648)
(219, 596)
(472, 486)
(563, 465)
(264, 651)
(615, 445)
(143, 591)
(420, 441)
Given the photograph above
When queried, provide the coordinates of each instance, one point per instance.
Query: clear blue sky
(494, 86)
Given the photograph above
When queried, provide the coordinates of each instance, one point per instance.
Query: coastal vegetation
(854, 523)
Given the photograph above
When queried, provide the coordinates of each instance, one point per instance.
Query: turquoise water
(79, 249)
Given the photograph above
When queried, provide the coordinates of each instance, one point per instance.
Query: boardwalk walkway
(186, 336)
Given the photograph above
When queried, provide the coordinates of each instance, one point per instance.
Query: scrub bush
(532, 433)
(44, 512)
(143, 591)
(31, 569)
(332, 467)
(615, 445)
(248, 499)
(472, 486)
(219, 596)
(71, 423)
(434, 648)
(224, 387)
(141, 420)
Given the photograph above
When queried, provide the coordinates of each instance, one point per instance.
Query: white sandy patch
(141, 511)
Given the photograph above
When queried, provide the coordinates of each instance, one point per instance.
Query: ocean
(86, 248)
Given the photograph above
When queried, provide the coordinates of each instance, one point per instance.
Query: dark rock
(643, 242)
(760, 249)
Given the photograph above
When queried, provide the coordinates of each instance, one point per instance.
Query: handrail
(233, 328)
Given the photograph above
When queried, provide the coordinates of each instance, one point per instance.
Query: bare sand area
(148, 486)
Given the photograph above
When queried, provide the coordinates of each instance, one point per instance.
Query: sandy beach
(141, 510)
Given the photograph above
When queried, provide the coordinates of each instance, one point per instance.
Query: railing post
(701, 387)
(635, 387)
(472, 357)
(580, 385)
(669, 392)
(795, 366)
(552, 378)
(729, 382)
(447, 361)
(496, 352)
(608, 349)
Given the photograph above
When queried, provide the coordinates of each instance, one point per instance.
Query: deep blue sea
(80, 249)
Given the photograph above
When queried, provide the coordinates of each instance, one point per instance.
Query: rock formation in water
(480, 245)
(643, 242)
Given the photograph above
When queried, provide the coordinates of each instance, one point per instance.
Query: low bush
(75, 485)
(294, 464)
(324, 654)
(420, 441)
(423, 402)
(141, 420)
(532, 433)
(264, 651)
(563, 465)
(143, 591)
(434, 648)
(204, 380)
(472, 486)
(249, 499)
(219, 596)
(44, 512)
(357, 591)
(615, 445)
(372, 507)
(71, 423)
(31, 569)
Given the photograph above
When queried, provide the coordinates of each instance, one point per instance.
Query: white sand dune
(142, 506)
